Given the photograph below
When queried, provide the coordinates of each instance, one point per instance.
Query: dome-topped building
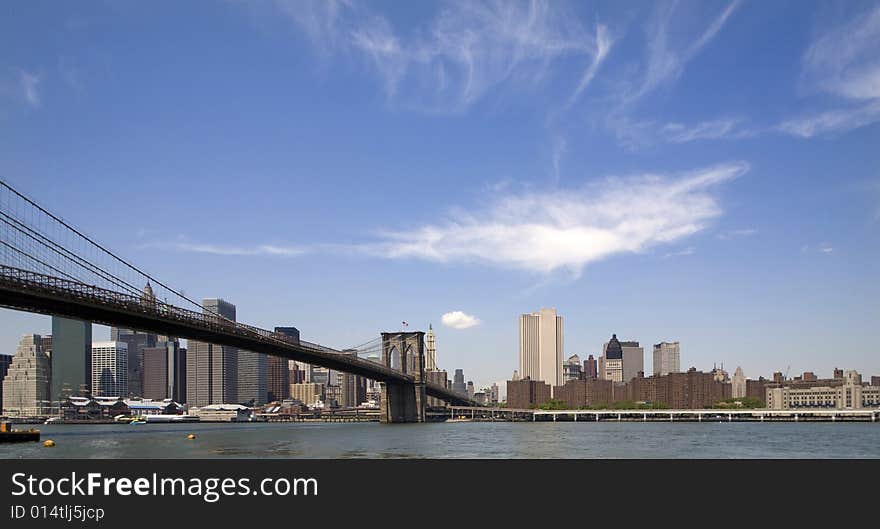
(614, 351)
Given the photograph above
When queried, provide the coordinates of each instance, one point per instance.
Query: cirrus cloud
(459, 320)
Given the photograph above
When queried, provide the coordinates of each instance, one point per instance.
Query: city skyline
(736, 137)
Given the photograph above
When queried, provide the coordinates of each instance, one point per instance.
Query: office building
(875, 381)
(527, 393)
(135, 342)
(5, 361)
(164, 371)
(212, 370)
(458, 385)
(633, 360)
(571, 368)
(470, 389)
(110, 369)
(430, 350)
(277, 378)
(738, 387)
(540, 346)
(591, 368)
(26, 384)
(667, 358)
(307, 392)
(353, 387)
(439, 378)
(71, 358)
(253, 388)
(847, 393)
(611, 361)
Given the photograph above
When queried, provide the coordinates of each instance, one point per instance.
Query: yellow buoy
(191, 436)
(48, 443)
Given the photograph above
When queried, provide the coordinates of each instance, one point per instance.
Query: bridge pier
(403, 402)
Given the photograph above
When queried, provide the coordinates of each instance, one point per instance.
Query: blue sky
(707, 172)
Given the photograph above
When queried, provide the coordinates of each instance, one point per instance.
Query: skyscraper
(277, 378)
(212, 370)
(667, 358)
(738, 384)
(26, 385)
(633, 360)
(540, 346)
(109, 369)
(354, 387)
(71, 360)
(591, 368)
(253, 388)
(571, 368)
(430, 350)
(458, 385)
(164, 371)
(5, 362)
(611, 361)
(136, 342)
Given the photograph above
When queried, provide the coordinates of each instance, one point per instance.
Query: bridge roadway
(33, 292)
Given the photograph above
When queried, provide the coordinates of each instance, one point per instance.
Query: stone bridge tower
(404, 351)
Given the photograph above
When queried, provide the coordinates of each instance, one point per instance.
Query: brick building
(527, 393)
(586, 392)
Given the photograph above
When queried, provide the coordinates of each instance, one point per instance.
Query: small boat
(10, 435)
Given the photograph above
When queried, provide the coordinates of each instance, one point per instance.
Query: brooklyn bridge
(47, 266)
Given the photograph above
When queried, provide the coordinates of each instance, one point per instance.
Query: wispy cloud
(216, 249)
(845, 61)
(569, 229)
(832, 121)
(30, 84)
(690, 250)
(462, 53)
(459, 320)
(666, 62)
(736, 234)
(706, 130)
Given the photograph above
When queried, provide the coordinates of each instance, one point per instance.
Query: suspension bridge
(47, 266)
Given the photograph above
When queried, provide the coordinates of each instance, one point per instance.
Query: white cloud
(735, 234)
(845, 61)
(568, 229)
(459, 320)
(214, 249)
(826, 249)
(466, 50)
(30, 88)
(706, 130)
(840, 120)
(690, 250)
(667, 62)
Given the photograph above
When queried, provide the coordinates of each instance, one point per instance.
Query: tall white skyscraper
(109, 369)
(540, 346)
(430, 350)
(667, 358)
(738, 384)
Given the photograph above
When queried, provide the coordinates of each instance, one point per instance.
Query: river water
(457, 440)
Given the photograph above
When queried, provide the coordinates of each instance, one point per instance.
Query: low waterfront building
(848, 395)
(222, 413)
(527, 393)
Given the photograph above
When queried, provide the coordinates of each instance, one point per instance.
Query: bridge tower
(404, 402)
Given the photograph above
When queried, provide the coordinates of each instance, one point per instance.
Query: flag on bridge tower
(405, 324)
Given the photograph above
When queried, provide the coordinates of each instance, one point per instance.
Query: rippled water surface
(457, 440)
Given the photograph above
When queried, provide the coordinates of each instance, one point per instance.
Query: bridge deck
(34, 292)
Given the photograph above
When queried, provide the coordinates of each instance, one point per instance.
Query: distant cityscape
(68, 375)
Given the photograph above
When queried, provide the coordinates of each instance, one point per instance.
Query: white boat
(171, 418)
